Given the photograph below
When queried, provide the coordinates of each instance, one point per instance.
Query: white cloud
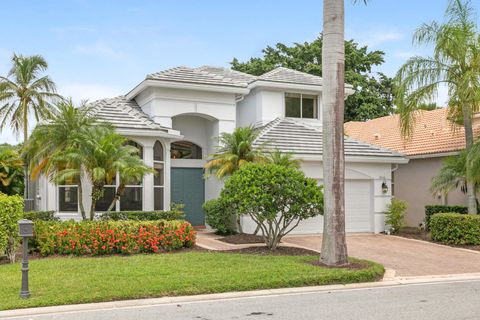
(90, 91)
(97, 49)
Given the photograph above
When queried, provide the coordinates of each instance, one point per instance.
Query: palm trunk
(26, 179)
(96, 189)
(334, 247)
(118, 194)
(471, 194)
(80, 201)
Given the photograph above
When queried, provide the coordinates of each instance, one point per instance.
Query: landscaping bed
(186, 272)
(243, 238)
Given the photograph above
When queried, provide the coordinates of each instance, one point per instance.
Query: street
(442, 300)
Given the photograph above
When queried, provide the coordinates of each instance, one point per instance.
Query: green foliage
(25, 91)
(374, 92)
(283, 159)
(234, 150)
(434, 209)
(219, 216)
(112, 237)
(40, 216)
(11, 210)
(11, 170)
(395, 215)
(277, 198)
(143, 215)
(452, 174)
(456, 229)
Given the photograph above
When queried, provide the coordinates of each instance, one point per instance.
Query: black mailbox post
(25, 228)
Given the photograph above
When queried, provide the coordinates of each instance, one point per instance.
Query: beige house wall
(412, 184)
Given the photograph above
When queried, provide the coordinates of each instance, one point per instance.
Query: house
(173, 117)
(433, 138)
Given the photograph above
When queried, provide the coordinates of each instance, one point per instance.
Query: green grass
(57, 281)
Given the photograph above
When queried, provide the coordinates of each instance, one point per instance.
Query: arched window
(158, 179)
(185, 150)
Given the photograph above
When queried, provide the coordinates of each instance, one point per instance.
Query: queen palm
(452, 175)
(455, 63)
(54, 137)
(235, 149)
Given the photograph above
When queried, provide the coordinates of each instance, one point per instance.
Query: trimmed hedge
(142, 215)
(455, 228)
(112, 237)
(434, 209)
(219, 217)
(40, 215)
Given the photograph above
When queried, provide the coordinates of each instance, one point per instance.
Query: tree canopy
(373, 97)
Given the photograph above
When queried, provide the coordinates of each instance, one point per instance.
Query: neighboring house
(174, 116)
(434, 137)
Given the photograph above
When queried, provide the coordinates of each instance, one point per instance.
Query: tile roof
(281, 74)
(122, 113)
(433, 133)
(291, 135)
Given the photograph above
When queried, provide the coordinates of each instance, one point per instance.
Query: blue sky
(98, 49)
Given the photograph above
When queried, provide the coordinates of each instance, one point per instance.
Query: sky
(100, 49)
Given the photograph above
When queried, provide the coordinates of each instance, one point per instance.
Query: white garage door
(358, 215)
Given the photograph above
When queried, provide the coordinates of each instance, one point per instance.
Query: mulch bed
(280, 251)
(242, 238)
(351, 266)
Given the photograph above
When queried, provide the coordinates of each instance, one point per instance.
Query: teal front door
(188, 188)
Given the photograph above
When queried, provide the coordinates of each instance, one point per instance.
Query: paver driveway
(407, 257)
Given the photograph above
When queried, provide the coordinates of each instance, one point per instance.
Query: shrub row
(143, 215)
(40, 215)
(434, 209)
(454, 228)
(11, 210)
(112, 237)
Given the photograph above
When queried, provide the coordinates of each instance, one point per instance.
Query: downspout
(394, 168)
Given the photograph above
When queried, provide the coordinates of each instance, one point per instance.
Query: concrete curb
(128, 304)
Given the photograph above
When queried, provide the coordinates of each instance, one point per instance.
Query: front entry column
(148, 179)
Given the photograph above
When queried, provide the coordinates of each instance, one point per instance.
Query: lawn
(68, 280)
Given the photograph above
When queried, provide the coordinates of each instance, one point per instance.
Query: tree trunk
(96, 189)
(80, 201)
(471, 194)
(118, 194)
(334, 247)
(26, 179)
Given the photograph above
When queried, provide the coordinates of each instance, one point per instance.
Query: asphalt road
(452, 300)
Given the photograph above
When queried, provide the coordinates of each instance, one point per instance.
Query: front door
(188, 188)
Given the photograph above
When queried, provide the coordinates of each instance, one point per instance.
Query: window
(158, 179)
(136, 145)
(106, 200)
(132, 197)
(68, 196)
(185, 150)
(299, 105)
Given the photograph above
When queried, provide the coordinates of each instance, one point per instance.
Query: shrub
(112, 237)
(219, 217)
(433, 209)
(40, 215)
(143, 215)
(276, 197)
(454, 228)
(395, 215)
(11, 210)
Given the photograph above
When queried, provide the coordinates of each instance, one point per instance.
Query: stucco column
(167, 181)
(148, 199)
(380, 202)
(224, 126)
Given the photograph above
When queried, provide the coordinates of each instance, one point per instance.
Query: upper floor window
(299, 105)
(185, 150)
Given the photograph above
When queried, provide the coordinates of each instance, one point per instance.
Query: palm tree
(234, 150)
(452, 174)
(283, 159)
(455, 63)
(54, 137)
(25, 91)
(99, 154)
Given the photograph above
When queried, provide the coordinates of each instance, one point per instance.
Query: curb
(128, 304)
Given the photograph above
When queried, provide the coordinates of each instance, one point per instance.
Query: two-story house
(174, 117)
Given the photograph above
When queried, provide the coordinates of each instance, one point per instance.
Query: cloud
(90, 91)
(97, 49)
(377, 38)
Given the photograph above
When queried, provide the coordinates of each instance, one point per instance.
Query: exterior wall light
(384, 187)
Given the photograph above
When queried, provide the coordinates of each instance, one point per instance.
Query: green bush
(276, 197)
(40, 215)
(11, 210)
(434, 209)
(455, 228)
(219, 217)
(143, 215)
(395, 215)
(112, 237)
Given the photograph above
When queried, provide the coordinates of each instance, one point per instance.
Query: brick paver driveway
(406, 257)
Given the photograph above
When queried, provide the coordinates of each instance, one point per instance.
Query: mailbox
(25, 228)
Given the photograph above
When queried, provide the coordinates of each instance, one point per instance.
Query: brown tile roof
(433, 133)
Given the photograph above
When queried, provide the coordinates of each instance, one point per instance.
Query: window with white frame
(298, 105)
(159, 177)
(68, 196)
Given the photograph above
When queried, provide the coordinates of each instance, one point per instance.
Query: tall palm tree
(455, 63)
(235, 149)
(54, 137)
(25, 91)
(334, 246)
(100, 153)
